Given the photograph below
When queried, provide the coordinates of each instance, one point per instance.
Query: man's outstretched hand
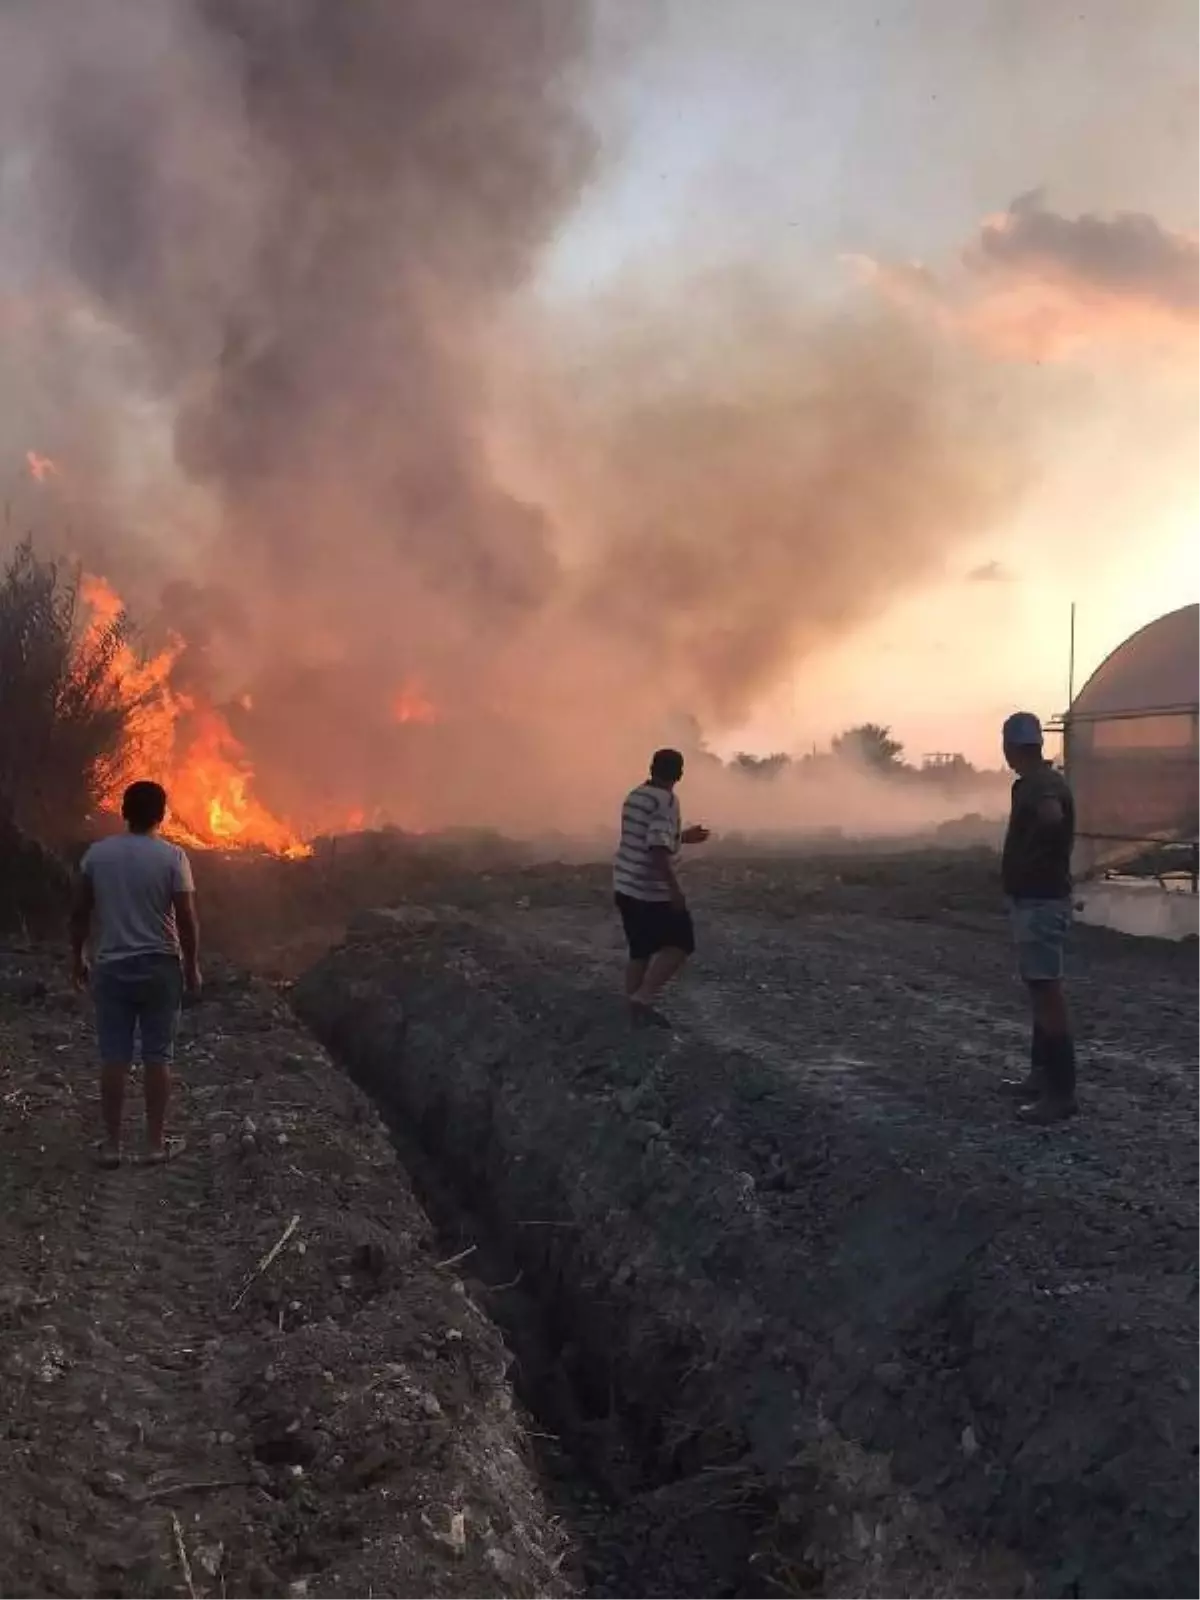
(694, 835)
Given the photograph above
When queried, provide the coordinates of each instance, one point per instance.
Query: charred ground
(812, 1312)
(802, 1238)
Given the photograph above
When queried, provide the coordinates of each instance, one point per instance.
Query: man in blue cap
(1036, 872)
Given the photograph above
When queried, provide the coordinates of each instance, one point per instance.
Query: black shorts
(654, 925)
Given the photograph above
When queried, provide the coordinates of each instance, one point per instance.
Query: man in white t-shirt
(657, 922)
(136, 899)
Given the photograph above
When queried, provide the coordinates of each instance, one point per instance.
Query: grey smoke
(763, 479)
(291, 233)
(1129, 254)
(295, 275)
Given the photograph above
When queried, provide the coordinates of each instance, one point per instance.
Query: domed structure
(1156, 669)
(1131, 746)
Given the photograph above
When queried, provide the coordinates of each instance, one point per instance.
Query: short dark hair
(144, 805)
(666, 764)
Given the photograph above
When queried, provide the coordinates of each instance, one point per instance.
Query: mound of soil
(183, 1414)
(901, 1343)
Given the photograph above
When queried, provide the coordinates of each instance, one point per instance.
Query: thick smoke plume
(270, 304)
(755, 481)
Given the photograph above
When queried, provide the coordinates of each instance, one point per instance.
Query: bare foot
(105, 1155)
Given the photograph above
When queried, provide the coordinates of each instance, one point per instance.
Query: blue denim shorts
(1040, 929)
(137, 994)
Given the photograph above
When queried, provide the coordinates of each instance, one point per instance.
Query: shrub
(63, 710)
(873, 745)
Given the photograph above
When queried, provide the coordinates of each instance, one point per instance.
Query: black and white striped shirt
(649, 821)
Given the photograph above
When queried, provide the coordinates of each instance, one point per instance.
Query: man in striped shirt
(654, 913)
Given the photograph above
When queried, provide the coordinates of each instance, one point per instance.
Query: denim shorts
(1040, 929)
(137, 994)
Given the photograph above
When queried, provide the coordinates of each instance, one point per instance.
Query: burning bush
(64, 710)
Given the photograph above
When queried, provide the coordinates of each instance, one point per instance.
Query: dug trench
(663, 1391)
(624, 1531)
(805, 1308)
(639, 1523)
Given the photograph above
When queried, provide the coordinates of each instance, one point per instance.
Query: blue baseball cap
(1022, 729)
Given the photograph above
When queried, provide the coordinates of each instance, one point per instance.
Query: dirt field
(805, 1310)
(344, 1428)
(806, 1221)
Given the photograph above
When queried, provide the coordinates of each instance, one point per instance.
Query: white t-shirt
(649, 821)
(134, 878)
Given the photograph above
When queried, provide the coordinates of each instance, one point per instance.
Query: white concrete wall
(1140, 907)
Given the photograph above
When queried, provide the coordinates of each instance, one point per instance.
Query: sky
(797, 135)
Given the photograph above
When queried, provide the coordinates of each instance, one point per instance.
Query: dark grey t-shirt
(1036, 864)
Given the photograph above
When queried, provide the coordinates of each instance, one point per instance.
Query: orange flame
(210, 791)
(40, 467)
(186, 745)
(412, 704)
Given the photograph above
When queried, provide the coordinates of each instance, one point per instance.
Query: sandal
(105, 1157)
(159, 1158)
(647, 1016)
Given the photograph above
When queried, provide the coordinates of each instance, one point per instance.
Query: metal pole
(1071, 663)
(1066, 718)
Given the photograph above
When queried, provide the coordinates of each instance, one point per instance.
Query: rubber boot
(1056, 1102)
(1029, 1087)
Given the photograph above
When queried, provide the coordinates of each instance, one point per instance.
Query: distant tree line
(870, 745)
